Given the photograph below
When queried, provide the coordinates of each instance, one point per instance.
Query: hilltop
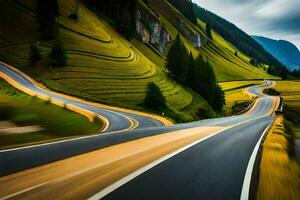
(104, 65)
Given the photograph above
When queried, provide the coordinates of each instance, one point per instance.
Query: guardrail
(279, 110)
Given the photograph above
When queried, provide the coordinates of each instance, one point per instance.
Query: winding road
(208, 159)
(118, 120)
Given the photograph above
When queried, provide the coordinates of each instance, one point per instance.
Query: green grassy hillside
(105, 67)
(52, 122)
(219, 52)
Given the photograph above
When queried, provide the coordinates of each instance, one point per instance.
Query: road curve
(207, 159)
(117, 119)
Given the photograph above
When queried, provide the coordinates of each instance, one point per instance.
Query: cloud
(278, 19)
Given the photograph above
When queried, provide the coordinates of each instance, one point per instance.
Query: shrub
(240, 106)
(271, 91)
(202, 113)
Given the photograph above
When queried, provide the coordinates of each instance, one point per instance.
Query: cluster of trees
(196, 73)
(280, 71)
(254, 62)
(57, 56)
(186, 8)
(241, 40)
(121, 12)
(296, 73)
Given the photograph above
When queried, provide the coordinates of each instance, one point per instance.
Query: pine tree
(35, 54)
(208, 31)
(195, 75)
(57, 56)
(219, 99)
(191, 67)
(203, 81)
(154, 98)
(177, 61)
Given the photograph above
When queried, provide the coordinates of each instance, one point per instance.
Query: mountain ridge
(241, 40)
(283, 50)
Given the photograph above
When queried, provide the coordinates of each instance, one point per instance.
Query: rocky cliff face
(195, 38)
(151, 31)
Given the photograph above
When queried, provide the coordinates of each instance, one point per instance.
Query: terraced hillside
(103, 66)
(219, 52)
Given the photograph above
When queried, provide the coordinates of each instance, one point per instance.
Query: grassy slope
(219, 52)
(290, 91)
(229, 67)
(279, 175)
(25, 110)
(105, 67)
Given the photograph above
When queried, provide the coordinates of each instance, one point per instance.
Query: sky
(276, 19)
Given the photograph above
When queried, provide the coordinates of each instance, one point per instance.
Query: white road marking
(249, 170)
(142, 170)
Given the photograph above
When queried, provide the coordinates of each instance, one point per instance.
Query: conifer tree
(195, 75)
(35, 54)
(191, 67)
(57, 56)
(177, 61)
(208, 31)
(203, 81)
(219, 99)
(154, 98)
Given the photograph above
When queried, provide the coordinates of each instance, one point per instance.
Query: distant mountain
(241, 40)
(285, 51)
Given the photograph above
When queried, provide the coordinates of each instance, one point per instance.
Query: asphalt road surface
(214, 168)
(118, 120)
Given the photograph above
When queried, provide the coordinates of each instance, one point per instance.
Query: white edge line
(60, 141)
(67, 140)
(249, 170)
(147, 167)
